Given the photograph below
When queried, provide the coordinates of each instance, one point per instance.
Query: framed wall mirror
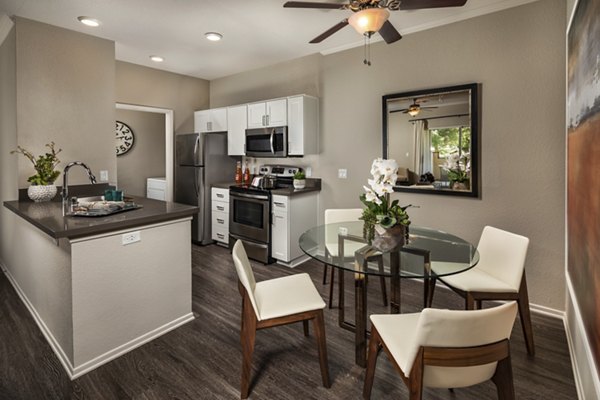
(433, 134)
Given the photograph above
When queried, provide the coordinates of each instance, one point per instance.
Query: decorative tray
(96, 207)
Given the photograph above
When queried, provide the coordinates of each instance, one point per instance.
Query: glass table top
(448, 254)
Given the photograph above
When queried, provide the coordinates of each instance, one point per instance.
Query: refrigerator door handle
(196, 145)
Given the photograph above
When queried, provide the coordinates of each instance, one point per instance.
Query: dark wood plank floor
(201, 360)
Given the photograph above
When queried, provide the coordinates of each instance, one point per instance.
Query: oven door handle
(271, 141)
(250, 196)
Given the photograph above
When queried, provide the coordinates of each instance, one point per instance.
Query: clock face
(125, 138)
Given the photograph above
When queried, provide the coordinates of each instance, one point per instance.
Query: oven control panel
(280, 171)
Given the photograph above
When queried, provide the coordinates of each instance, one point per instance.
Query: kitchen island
(100, 287)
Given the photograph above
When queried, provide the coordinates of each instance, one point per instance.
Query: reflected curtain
(423, 158)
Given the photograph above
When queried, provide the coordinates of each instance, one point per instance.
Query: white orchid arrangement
(458, 167)
(379, 210)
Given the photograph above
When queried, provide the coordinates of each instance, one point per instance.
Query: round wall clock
(125, 138)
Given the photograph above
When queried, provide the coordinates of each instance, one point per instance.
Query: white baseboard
(75, 372)
(584, 367)
(295, 262)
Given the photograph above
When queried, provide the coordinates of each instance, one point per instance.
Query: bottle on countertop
(247, 173)
(238, 172)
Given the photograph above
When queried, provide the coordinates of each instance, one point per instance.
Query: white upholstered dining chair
(499, 275)
(445, 348)
(276, 302)
(339, 215)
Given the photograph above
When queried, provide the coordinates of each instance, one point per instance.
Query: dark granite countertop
(312, 185)
(48, 217)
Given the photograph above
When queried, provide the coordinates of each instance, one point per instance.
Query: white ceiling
(256, 33)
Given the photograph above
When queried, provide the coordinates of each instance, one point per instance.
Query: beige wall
(518, 57)
(145, 86)
(146, 159)
(65, 86)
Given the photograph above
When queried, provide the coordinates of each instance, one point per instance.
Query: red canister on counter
(238, 172)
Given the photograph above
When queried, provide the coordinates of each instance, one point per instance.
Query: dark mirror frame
(475, 101)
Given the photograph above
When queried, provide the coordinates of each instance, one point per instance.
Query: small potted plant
(42, 183)
(458, 167)
(299, 180)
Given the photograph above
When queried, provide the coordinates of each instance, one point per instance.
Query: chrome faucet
(65, 186)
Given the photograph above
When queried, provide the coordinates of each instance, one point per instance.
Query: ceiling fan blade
(330, 31)
(389, 33)
(312, 4)
(418, 4)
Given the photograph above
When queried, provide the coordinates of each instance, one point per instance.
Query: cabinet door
(202, 121)
(256, 115)
(236, 130)
(295, 126)
(279, 243)
(277, 112)
(218, 119)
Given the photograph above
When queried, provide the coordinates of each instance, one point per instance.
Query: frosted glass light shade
(369, 20)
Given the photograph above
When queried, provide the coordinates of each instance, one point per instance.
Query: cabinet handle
(220, 236)
(221, 221)
(263, 120)
(221, 195)
(278, 204)
(220, 208)
(268, 119)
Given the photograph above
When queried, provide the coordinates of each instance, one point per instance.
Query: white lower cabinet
(292, 216)
(220, 215)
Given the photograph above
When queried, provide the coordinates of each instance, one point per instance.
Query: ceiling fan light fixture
(414, 110)
(369, 20)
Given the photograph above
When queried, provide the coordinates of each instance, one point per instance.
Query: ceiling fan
(370, 16)
(415, 108)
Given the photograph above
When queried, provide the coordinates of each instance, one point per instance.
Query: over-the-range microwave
(267, 142)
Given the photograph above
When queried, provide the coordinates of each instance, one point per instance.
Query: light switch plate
(130, 237)
(342, 173)
(104, 176)
(308, 172)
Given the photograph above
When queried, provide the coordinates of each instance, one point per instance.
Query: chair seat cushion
(286, 296)
(473, 280)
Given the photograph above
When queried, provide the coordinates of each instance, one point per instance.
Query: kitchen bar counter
(48, 217)
(99, 287)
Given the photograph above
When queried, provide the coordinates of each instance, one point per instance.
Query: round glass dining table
(343, 246)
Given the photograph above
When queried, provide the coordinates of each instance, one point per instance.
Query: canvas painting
(583, 165)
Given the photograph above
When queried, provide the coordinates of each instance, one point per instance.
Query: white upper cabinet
(236, 130)
(213, 120)
(268, 113)
(303, 125)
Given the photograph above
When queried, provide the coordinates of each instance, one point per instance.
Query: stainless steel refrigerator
(200, 160)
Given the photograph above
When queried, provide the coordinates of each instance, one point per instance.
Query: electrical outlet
(103, 176)
(308, 172)
(130, 237)
(343, 173)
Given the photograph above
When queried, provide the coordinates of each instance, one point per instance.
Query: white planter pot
(39, 193)
(299, 183)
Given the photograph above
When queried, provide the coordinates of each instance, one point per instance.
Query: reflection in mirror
(432, 134)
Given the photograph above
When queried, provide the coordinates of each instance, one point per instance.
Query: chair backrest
(502, 254)
(460, 329)
(334, 215)
(244, 272)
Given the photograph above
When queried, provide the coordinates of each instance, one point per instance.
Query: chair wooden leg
(431, 284)
(415, 380)
(479, 304)
(331, 283)
(374, 349)
(319, 326)
(325, 274)
(524, 314)
(248, 336)
(503, 380)
(305, 326)
(469, 301)
(382, 282)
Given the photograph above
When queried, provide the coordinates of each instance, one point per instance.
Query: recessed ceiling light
(89, 21)
(157, 58)
(213, 36)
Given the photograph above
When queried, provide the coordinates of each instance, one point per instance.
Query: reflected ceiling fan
(415, 108)
(370, 16)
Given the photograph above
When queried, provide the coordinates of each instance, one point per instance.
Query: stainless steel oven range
(250, 211)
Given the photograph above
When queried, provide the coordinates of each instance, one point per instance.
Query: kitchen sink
(96, 206)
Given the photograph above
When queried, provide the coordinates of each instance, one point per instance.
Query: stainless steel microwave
(267, 142)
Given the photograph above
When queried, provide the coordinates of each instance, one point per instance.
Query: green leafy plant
(458, 167)
(44, 165)
(379, 210)
(300, 175)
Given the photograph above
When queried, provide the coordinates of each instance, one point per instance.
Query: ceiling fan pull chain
(367, 50)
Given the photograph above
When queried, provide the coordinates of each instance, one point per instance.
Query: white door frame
(169, 129)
